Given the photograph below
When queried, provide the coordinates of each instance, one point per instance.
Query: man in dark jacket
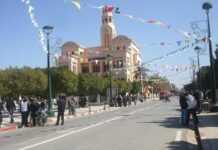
(34, 107)
(61, 109)
(11, 107)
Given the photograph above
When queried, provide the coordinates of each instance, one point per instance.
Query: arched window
(110, 19)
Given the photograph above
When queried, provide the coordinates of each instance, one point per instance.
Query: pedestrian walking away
(61, 109)
(192, 105)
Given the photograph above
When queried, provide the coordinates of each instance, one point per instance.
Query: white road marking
(70, 133)
(82, 129)
(178, 136)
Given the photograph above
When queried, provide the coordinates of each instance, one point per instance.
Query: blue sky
(20, 44)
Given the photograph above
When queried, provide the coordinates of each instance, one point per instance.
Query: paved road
(148, 126)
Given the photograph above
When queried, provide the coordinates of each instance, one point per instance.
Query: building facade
(116, 51)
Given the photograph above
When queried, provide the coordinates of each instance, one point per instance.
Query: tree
(136, 87)
(23, 81)
(122, 85)
(90, 84)
(64, 81)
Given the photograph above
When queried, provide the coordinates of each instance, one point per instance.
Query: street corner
(190, 138)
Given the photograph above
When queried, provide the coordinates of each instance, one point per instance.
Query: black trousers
(60, 115)
(24, 118)
(192, 112)
(33, 118)
(11, 114)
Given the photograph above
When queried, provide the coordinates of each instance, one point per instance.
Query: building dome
(70, 48)
(122, 39)
(121, 42)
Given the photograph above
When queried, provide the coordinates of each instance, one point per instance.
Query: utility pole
(207, 6)
(198, 50)
(48, 30)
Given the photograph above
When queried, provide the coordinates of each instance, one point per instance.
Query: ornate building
(121, 51)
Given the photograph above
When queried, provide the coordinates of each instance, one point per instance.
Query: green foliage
(90, 84)
(136, 87)
(24, 81)
(122, 85)
(64, 81)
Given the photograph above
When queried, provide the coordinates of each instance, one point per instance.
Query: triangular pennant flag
(179, 43)
(76, 3)
(117, 10)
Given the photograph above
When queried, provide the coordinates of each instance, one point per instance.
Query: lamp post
(109, 56)
(47, 31)
(198, 50)
(207, 6)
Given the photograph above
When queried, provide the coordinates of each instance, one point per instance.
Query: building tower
(108, 30)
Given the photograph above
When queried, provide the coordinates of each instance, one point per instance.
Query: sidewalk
(208, 128)
(80, 112)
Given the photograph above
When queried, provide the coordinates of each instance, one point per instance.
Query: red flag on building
(109, 8)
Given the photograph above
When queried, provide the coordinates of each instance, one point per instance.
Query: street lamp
(109, 56)
(207, 6)
(47, 31)
(198, 50)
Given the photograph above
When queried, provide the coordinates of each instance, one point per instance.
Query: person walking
(61, 109)
(192, 105)
(11, 107)
(125, 100)
(129, 99)
(24, 112)
(119, 100)
(184, 106)
(134, 98)
(71, 106)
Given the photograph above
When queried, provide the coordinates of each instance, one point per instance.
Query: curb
(9, 128)
(52, 121)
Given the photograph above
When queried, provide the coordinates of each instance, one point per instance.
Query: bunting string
(35, 23)
(176, 51)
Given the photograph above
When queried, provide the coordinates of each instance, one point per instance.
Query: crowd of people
(126, 100)
(190, 106)
(33, 111)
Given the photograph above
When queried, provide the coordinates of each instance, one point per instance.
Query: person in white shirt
(24, 112)
(192, 107)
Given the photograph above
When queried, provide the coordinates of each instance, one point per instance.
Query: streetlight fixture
(207, 6)
(47, 31)
(198, 50)
(109, 56)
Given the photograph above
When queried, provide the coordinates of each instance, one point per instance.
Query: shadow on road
(208, 144)
(208, 120)
(170, 122)
(181, 145)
